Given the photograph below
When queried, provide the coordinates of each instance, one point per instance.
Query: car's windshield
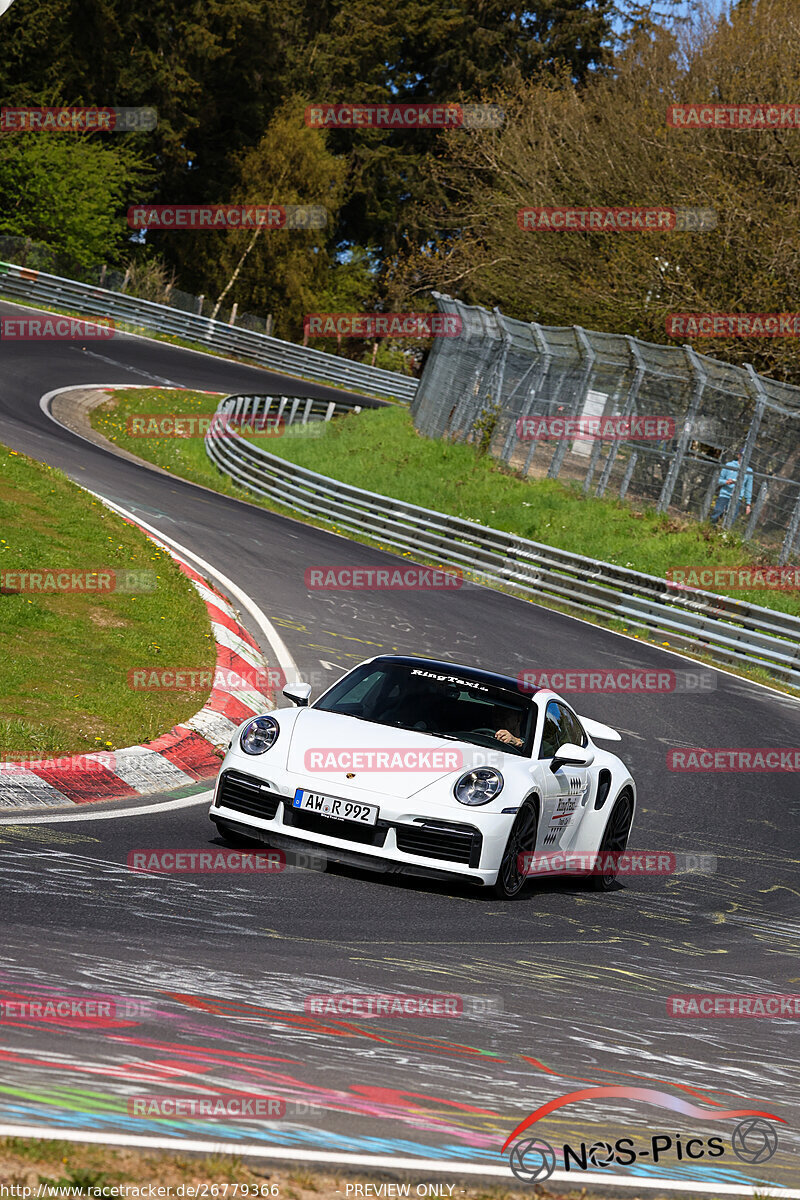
(437, 702)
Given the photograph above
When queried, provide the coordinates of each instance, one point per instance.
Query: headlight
(259, 735)
(478, 786)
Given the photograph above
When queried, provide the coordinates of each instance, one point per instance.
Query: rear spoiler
(596, 730)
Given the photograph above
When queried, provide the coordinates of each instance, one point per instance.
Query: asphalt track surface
(227, 961)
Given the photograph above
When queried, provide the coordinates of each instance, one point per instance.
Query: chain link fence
(478, 387)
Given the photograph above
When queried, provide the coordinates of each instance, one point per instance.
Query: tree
(66, 190)
(607, 144)
(280, 271)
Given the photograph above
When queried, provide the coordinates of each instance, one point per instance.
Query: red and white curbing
(175, 760)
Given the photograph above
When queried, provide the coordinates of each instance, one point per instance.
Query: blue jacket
(727, 481)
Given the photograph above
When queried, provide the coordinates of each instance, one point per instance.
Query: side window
(553, 734)
(577, 734)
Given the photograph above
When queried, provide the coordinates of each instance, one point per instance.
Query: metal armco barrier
(727, 630)
(286, 410)
(270, 352)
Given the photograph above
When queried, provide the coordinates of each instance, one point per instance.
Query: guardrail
(729, 631)
(280, 411)
(88, 300)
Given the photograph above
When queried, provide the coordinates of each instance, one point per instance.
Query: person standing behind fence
(728, 481)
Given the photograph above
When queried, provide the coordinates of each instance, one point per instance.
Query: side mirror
(298, 693)
(573, 756)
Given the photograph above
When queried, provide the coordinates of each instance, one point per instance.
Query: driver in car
(514, 719)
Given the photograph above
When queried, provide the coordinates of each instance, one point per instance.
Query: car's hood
(327, 747)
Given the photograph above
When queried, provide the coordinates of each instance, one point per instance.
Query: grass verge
(380, 450)
(64, 685)
(102, 1171)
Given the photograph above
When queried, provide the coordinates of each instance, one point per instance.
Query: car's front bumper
(420, 838)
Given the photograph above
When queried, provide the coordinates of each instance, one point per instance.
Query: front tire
(615, 839)
(511, 878)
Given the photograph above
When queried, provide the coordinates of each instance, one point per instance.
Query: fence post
(628, 476)
(756, 388)
(470, 399)
(587, 353)
(756, 513)
(545, 362)
(501, 368)
(628, 407)
(686, 433)
(705, 507)
(791, 535)
(511, 436)
(234, 311)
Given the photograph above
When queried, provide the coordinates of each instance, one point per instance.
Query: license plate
(337, 810)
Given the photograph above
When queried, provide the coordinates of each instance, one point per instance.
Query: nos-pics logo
(532, 1160)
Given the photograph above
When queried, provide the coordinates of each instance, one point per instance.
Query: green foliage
(379, 450)
(219, 74)
(483, 427)
(607, 143)
(66, 189)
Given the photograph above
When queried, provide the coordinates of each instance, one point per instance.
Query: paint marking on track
(113, 815)
(382, 1162)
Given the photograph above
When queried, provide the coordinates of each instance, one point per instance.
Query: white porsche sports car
(412, 765)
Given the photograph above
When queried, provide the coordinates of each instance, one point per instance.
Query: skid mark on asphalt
(43, 834)
(466, 1095)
